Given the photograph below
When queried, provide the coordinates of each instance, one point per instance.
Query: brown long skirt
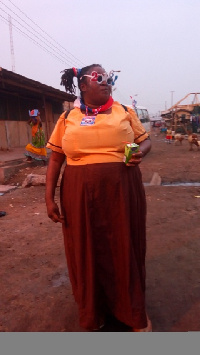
(105, 241)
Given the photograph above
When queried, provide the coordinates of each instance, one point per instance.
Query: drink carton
(130, 148)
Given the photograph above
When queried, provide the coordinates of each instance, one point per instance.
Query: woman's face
(94, 93)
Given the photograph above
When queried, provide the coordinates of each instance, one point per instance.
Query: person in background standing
(36, 149)
(169, 136)
(103, 204)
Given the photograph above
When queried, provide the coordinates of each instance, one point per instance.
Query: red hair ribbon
(75, 71)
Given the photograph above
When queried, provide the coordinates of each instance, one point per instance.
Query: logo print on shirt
(88, 121)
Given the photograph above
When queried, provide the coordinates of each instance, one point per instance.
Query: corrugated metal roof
(12, 81)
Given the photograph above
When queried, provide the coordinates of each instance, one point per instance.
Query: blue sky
(154, 43)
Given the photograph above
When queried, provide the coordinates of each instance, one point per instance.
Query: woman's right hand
(53, 171)
(54, 213)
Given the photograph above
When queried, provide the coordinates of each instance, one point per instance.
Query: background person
(36, 149)
(103, 205)
(169, 136)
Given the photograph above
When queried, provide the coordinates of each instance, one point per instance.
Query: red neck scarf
(95, 111)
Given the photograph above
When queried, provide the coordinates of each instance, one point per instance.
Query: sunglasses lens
(99, 78)
(109, 81)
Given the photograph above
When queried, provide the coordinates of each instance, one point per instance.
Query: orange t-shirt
(98, 140)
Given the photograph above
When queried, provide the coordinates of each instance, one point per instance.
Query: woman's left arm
(145, 146)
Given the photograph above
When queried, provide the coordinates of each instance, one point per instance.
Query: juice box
(130, 148)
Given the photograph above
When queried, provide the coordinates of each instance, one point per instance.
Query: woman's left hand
(135, 159)
(145, 147)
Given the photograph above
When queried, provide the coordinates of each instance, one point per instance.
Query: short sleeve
(55, 141)
(137, 127)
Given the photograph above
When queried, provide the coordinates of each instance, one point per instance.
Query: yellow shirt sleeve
(55, 140)
(137, 127)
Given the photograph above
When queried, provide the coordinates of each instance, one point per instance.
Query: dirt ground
(35, 291)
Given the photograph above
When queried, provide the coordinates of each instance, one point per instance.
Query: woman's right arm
(53, 171)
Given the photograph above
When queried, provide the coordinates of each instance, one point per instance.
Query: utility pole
(172, 98)
(11, 44)
(173, 124)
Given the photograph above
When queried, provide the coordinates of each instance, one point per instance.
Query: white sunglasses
(99, 78)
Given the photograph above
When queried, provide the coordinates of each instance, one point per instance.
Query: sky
(154, 43)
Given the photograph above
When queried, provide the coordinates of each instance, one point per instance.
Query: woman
(36, 150)
(102, 201)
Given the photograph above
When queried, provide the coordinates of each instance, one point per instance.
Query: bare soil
(35, 290)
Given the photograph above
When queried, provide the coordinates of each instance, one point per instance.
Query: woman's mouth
(105, 88)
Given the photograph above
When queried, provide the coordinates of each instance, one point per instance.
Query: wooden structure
(18, 95)
(182, 114)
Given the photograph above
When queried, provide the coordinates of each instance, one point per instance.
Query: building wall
(3, 138)
(14, 134)
(187, 114)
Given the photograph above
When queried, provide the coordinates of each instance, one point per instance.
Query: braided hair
(67, 79)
